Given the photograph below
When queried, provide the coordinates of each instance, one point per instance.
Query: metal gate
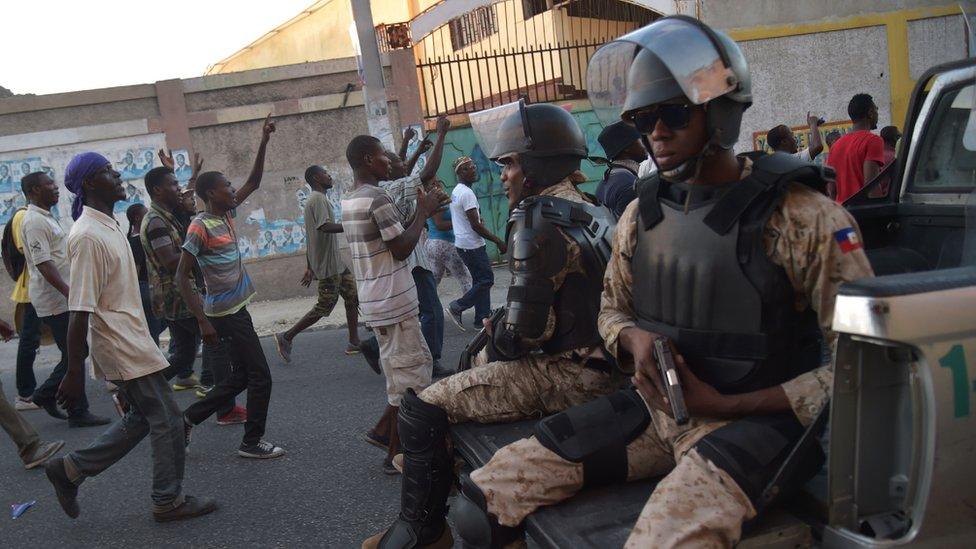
(518, 48)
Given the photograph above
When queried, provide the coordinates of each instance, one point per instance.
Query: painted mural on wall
(489, 189)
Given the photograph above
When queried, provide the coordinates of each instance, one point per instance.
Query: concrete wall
(814, 56)
(218, 117)
(731, 14)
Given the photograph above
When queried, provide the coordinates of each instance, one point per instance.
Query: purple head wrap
(80, 168)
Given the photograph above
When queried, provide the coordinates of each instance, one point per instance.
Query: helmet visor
(500, 130)
(684, 48)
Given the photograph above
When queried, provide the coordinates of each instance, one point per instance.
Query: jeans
(479, 296)
(184, 340)
(152, 411)
(48, 390)
(155, 325)
(27, 346)
(431, 310)
(249, 370)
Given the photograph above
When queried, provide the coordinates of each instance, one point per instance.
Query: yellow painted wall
(896, 30)
(321, 33)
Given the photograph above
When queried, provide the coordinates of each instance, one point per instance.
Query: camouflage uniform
(532, 386)
(696, 504)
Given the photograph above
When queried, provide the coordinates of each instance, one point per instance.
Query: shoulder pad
(562, 212)
(771, 174)
(647, 189)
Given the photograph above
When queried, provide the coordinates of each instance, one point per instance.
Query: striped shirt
(387, 294)
(213, 241)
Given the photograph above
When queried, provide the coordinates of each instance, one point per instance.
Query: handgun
(479, 342)
(670, 379)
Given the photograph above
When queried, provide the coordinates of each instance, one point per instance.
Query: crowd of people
(595, 282)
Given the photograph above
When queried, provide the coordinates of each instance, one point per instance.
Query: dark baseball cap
(616, 137)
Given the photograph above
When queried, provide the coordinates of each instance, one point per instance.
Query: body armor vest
(702, 278)
(538, 253)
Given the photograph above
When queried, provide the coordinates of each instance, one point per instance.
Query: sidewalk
(276, 316)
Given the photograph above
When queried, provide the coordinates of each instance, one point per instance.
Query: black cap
(616, 137)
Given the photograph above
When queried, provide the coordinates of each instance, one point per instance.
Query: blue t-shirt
(434, 233)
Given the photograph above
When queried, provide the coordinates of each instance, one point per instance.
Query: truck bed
(602, 517)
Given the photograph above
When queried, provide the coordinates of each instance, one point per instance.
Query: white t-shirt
(462, 200)
(803, 154)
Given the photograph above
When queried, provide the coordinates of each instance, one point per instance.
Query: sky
(51, 46)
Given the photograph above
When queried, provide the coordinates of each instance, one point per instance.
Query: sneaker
(377, 440)
(371, 352)
(283, 346)
(187, 429)
(203, 390)
(185, 383)
(353, 348)
(66, 490)
(236, 416)
(261, 450)
(25, 404)
(389, 468)
(398, 463)
(454, 311)
(191, 507)
(51, 407)
(87, 419)
(44, 452)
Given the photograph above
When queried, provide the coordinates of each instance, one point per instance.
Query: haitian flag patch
(847, 240)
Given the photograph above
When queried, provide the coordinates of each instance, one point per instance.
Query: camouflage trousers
(696, 504)
(534, 386)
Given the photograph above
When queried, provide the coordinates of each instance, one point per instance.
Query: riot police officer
(738, 264)
(544, 352)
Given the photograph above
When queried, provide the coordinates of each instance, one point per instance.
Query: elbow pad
(537, 255)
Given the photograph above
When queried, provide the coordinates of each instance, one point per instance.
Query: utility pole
(374, 90)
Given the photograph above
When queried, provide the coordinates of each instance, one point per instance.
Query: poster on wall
(132, 157)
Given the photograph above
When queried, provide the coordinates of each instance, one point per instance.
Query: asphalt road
(328, 491)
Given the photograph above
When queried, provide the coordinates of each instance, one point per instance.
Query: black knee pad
(475, 526)
(421, 426)
(752, 450)
(596, 434)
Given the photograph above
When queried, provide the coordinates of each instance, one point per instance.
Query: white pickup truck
(901, 435)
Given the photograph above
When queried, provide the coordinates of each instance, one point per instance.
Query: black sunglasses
(674, 116)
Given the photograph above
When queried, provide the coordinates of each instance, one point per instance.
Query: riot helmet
(673, 57)
(547, 138)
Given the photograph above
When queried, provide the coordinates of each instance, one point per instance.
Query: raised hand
(268, 128)
(197, 165)
(409, 133)
(166, 157)
(443, 124)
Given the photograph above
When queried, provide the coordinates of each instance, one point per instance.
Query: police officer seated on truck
(543, 353)
(738, 264)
